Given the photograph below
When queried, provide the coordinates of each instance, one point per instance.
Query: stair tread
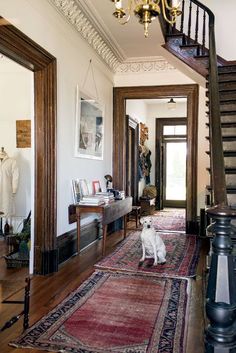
(227, 68)
(189, 45)
(230, 189)
(229, 153)
(175, 35)
(226, 124)
(228, 170)
(226, 137)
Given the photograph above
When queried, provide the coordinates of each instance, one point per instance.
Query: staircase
(192, 40)
(187, 40)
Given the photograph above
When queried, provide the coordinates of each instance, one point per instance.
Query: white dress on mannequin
(9, 177)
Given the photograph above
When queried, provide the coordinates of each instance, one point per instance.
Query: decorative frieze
(144, 66)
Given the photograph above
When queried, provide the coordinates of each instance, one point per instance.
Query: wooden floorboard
(48, 291)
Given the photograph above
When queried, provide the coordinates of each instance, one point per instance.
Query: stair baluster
(182, 17)
(197, 25)
(204, 33)
(189, 21)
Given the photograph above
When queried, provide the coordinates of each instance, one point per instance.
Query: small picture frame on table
(96, 186)
(76, 192)
(83, 187)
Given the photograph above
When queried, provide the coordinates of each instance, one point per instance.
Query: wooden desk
(109, 213)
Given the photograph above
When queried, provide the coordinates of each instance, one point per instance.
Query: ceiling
(127, 40)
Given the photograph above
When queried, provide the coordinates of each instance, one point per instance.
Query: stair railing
(220, 335)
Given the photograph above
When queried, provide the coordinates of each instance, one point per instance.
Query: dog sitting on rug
(152, 244)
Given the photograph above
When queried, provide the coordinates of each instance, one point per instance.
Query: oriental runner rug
(169, 220)
(181, 259)
(115, 313)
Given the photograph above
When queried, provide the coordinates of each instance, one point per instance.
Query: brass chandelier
(147, 11)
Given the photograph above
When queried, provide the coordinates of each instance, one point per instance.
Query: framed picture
(76, 192)
(96, 186)
(83, 187)
(89, 136)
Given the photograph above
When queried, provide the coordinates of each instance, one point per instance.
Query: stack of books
(92, 200)
(108, 197)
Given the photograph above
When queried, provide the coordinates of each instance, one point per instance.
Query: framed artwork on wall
(89, 129)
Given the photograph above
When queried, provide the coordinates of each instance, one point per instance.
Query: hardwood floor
(48, 291)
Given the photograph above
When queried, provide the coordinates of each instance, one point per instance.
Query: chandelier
(147, 11)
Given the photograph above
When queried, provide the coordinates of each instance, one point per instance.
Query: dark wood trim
(134, 126)
(21, 49)
(159, 160)
(121, 94)
(67, 242)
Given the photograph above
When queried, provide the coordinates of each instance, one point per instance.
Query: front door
(171, 162)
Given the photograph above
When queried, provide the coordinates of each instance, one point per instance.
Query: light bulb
(118, 4)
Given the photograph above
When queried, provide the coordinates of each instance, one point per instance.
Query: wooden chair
(136, 214)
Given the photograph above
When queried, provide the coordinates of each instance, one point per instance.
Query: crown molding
(144, 65)
(92, 14)
(86, 21)
(76, 17)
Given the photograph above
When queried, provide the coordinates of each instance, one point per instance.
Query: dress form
(9, 175)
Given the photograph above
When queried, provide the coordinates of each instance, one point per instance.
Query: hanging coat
(9, 177)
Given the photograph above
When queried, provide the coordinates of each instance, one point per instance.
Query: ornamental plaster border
(75, 15)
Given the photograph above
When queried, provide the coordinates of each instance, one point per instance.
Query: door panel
(175, 174)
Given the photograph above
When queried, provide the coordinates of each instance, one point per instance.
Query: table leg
(104, 234)
(125, 225)
(78, 232)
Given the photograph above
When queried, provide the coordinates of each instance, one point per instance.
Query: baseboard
(67, 242)
(192, 227)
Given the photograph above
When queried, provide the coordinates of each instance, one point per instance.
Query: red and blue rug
(115, 313)
(170, 220)
(181, 259)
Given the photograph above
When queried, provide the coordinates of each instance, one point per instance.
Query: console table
(109, 213)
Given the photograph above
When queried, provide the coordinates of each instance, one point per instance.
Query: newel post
(220, 335)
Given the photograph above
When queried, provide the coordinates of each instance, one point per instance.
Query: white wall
(225, 26)
(39, 20)
(16, 87)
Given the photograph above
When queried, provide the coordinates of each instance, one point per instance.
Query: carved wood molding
(77, 18)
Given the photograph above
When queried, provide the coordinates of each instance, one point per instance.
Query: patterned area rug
(169, 220)
(115, 312)
(181, 260)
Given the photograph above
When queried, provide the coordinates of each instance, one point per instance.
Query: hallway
(47, 292)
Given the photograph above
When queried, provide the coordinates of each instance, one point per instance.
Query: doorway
(171, 158)
(121, 94)
(20, 48)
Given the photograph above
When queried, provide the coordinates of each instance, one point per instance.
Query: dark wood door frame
(159, 161)
(121, 94)
(17, 46)
(134, 126)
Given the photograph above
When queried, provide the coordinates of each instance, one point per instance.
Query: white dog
(152, 244)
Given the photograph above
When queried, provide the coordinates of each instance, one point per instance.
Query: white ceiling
(127, 40)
